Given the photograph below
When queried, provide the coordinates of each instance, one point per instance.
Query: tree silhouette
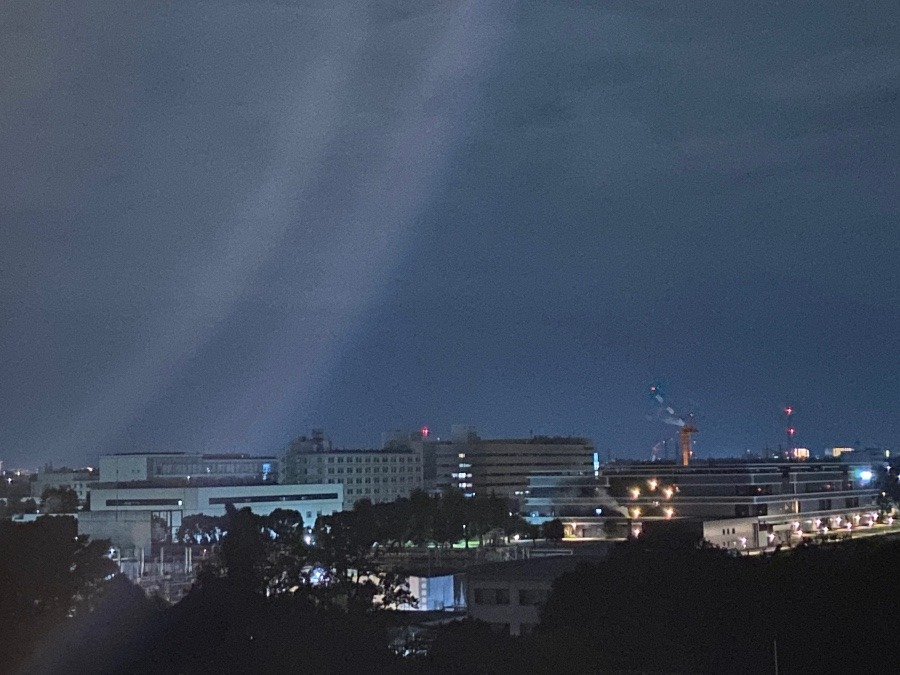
(59, 500)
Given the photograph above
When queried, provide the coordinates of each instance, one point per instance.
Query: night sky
(225, 223)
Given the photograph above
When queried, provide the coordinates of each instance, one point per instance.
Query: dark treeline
(275, 599)
(420, 520)
(679, 606)
(48, 576)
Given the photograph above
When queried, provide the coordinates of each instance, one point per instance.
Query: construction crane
(687, 429)
(687, 445)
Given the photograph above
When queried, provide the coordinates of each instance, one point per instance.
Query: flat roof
(201, 455)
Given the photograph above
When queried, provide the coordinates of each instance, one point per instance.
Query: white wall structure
(142, 499)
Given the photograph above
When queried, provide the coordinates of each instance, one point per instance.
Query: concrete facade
(377, 475)
(180, 468)
(509, 595)
(502, 466)
(79, 480)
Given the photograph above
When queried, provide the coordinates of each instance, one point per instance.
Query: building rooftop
(202, 455)
(541, 440)
(182, 482)
(728, 464)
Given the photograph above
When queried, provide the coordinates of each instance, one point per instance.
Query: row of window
(360, 481)
(366, 491)
(368, 470)
(359, 460)
(252, 499)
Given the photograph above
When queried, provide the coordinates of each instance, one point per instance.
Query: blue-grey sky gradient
(225, 223)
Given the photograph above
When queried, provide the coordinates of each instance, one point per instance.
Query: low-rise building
(200, 468)
(79, 480)
(737, 489)
(509, 595)
(748, 505)
(141, 499)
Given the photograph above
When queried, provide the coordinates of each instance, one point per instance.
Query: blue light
(865, 475)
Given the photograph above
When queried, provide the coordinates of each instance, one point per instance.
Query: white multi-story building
(177, 467)
(141, 499)
(739, 504)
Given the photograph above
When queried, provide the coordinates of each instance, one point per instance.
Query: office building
(379, 475)
(501, 467)
(778, 502)
(141, 499)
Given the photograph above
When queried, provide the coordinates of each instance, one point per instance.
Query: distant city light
(425, 432)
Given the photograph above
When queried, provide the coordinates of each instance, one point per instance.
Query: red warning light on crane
(424, 431)
(788, 411)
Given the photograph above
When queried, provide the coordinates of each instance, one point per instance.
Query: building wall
(737, 533)
(310, 500)
(511, 605)
(377, 475)
(502, 467)
(566, 495)
(80, 481)
(434, 593)
(740, 490)
(176, 467)
(159, 511)
(123, 468)
(128, 531)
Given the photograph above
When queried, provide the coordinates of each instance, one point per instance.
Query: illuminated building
(141, 499)
(568, 495)
(501, 467)
(778, 500)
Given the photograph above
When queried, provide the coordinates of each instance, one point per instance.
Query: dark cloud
(223, 223)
